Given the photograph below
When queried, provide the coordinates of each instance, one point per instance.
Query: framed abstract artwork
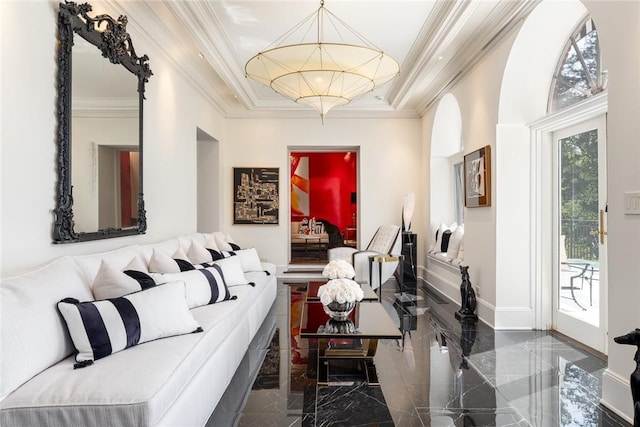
(255, 195)
(477, 178)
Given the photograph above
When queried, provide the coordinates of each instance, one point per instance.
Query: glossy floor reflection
(443, 373)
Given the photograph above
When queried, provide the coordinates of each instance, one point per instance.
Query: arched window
(447, 203)
(579, 73)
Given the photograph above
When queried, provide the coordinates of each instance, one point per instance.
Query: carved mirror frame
(115, 44)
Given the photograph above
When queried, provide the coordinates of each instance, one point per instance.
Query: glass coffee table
(354, 341)
(313, 286)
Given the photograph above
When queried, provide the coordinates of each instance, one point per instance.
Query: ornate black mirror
(101, 84)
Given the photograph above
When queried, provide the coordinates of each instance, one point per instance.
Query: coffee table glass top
(369, 318)
(312, 291)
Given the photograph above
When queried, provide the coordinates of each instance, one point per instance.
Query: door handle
(601, 231)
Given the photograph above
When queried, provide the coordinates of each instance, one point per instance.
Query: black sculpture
(633, 338)
(467, 297)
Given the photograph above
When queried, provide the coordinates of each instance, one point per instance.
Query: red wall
(125, 189)
(332, 179)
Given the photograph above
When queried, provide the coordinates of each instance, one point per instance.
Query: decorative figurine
(633, 338)
(467, 339)
(467, 297)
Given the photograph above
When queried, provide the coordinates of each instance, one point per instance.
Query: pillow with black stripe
(446, 236)
(202, 286)
(101, 328)
(112, 283)
(163, 263)
(215, 255)
(221, 243)
(198, 254)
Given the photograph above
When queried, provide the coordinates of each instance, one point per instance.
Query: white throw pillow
(232, 270)
(101, 328)
(137, 264)
(162, 263)
(433, 237)
(198, 254)
(210, 242)
(249, 260)
(180, 254)
(112, 283)
(454, 242)
(222, 244)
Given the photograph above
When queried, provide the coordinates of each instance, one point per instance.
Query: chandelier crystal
(319, 73)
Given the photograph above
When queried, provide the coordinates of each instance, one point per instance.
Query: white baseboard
(446, 283)
(446, 279)
(520, 318)
(616, 395)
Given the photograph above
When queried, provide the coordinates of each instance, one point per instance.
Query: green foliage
(579, 191)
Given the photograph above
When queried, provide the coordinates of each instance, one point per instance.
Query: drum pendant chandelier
(321, 73)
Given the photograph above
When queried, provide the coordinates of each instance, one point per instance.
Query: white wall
(618, 24)
(477, 95)
(388, 170)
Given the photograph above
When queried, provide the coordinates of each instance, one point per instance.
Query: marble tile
(444, 373)
(351, 406)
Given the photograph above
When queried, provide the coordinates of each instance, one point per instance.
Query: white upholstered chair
(386, 241)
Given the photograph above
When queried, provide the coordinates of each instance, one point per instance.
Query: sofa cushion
(34, 336)
(202, 286)
(101, 328)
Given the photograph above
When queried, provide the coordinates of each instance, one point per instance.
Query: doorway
(208, 181)
(323, 202)
(579, 224)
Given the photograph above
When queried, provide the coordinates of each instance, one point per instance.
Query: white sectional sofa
(173, 381)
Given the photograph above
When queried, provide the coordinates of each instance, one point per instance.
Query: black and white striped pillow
(101, 328)
(203, 286)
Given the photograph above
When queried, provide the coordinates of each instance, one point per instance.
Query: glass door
(580, 224)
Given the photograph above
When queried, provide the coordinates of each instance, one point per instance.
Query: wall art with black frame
(256, 195)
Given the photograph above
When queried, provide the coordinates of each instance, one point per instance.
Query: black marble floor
(443, 373)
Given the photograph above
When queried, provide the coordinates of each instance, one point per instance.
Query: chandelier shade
(322, 74)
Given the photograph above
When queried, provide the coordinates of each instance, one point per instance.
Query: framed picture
(477, 178)
(255, 195)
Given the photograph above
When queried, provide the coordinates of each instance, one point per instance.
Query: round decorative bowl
(339, 327)
(339, 311)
